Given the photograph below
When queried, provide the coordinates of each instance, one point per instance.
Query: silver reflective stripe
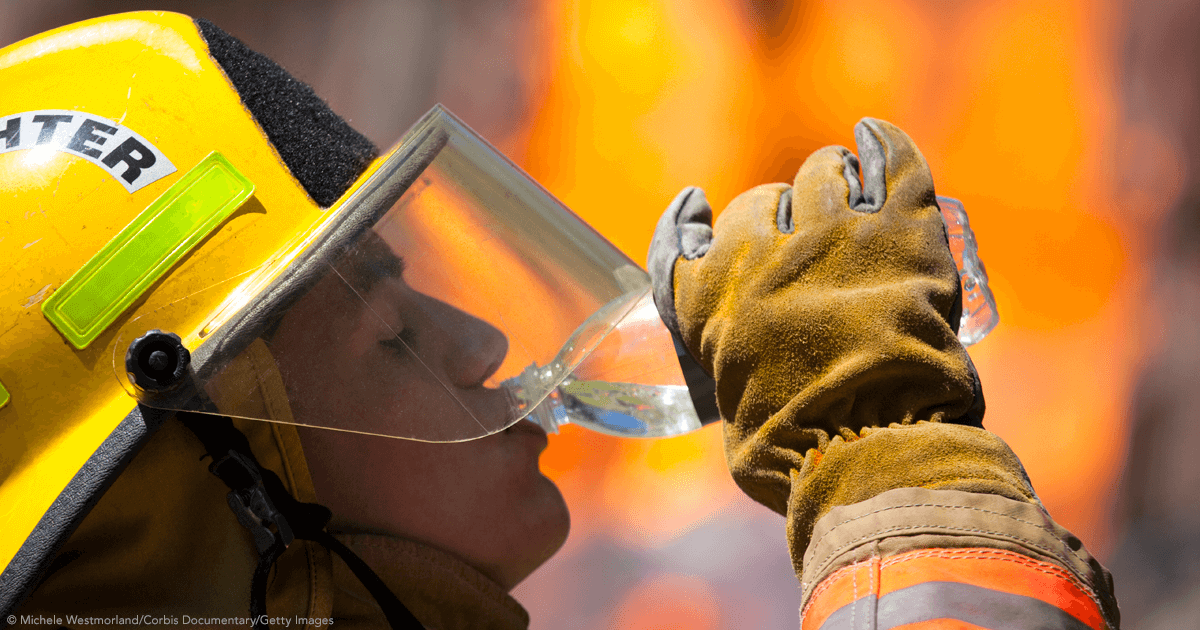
(983, 607)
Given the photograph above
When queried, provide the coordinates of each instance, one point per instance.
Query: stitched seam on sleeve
(912, 528)
(827, 584)
(853, 600)
(935, 505)
(876, 569)
(986, 554)
(826, 559)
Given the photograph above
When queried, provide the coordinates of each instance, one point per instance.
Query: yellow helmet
(170, 196)
(105, 126)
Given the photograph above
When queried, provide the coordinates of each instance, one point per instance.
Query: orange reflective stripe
(1003, 572)
(939, 624)
(997, 570)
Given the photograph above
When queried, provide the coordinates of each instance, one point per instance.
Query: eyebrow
(376, 256)
(391, 263)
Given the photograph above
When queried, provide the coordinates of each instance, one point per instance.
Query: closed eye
(403, 343)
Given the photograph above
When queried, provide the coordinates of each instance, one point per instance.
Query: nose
(474, 349)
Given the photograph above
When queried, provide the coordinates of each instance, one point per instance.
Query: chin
(545, 523)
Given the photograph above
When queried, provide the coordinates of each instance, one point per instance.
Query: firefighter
(256, 373)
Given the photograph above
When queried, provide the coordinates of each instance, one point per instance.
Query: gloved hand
(827, 313)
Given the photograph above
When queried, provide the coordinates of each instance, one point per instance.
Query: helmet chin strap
(275, 518)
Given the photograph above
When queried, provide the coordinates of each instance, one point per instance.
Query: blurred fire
(669, 602)
(1012, 101)
(1013, 105)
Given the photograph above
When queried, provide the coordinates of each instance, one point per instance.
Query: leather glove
(827, 312)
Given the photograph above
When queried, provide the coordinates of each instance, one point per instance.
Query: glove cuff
(930, 455)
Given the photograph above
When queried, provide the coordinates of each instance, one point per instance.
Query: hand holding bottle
(821, 309)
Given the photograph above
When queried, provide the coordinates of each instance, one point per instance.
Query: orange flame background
(1014, 106)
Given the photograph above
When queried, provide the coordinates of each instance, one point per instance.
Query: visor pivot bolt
(157, 361)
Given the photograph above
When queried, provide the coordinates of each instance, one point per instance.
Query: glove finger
(822, 187)
(891, 166)
(871, 166)
(684, 230)
(783, 213)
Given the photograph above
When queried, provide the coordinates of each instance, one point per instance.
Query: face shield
(445, 299)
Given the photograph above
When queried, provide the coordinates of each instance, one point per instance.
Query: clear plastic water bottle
(979, 314)
(619, 373)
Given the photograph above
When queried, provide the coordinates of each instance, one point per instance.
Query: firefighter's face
(484, 500)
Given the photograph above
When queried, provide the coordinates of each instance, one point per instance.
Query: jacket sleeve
(922, 558)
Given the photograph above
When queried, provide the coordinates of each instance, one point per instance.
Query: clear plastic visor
(443, 301)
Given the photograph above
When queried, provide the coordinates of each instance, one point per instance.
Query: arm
(826, 313)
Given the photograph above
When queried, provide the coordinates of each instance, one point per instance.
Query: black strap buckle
(250, 502)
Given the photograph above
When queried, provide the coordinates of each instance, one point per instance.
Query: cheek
(376, 391)
(396, 400)
(435, 492)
